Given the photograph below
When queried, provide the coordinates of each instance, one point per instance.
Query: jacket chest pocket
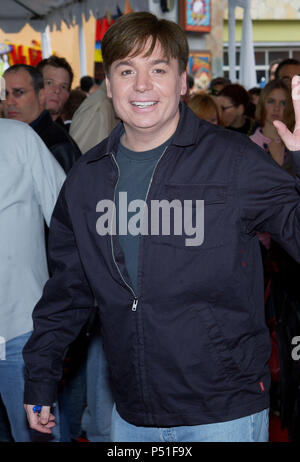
(191, 216)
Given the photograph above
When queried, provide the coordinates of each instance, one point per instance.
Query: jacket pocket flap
(210, 193)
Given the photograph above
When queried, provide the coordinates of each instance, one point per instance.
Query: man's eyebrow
(160, 61)
(54, 80)
(124, 63)
(130, 63)
(16, 88)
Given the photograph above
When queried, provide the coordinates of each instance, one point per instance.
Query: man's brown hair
(36, 76)
(131, 32)
(56, 61)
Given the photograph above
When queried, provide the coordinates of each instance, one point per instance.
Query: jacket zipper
(150, 183)
(135, 298)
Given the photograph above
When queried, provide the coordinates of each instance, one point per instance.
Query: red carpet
(276, 433)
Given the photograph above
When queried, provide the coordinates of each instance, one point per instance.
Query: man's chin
(54, 111)
(14, 117)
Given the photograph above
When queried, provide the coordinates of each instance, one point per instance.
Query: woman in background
(275, 103)
(205, 107)
(281, 272)
(236, 107)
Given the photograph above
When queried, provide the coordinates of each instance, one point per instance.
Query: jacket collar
(42, 121)
(186, 134)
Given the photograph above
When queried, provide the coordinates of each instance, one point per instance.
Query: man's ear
(42, 98)
(184, 86)
(240, 109)
(108, 89)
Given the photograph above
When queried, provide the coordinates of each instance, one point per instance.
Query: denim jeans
(253, 428)
(12, 394)
(96, 420)
(72, 394)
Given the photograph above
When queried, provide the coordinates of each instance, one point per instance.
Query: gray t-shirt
(136, 170)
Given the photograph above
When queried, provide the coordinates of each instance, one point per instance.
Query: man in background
(30, 180)
(93, 120)
(25, 101)
(286, 70)
(58, 77)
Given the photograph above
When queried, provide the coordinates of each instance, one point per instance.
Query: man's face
(230, 112)
(287, 72)
(22, 102)
(146, 92)
(57, 88)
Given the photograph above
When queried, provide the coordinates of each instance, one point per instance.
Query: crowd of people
(252, 112)
(133, 336)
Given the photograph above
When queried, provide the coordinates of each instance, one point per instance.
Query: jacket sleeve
(66, 154)
(60, 314)
(269, 198)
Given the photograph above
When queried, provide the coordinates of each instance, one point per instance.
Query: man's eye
(159, 71)
(64, 87)
(18, 92)
(126, 72)
(48, 83)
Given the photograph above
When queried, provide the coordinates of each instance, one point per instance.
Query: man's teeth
(143, 104)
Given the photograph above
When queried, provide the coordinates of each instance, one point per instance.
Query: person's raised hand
(291, 140)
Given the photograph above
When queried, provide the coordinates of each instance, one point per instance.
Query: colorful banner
(20, 54)
(102, 25)
(199, 67)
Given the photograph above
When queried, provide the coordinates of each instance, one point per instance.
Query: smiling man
(183, 327)
(147, 92)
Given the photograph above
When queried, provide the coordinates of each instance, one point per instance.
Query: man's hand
(43, 421)
(291, 140)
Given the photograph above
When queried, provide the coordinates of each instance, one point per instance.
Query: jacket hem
(200, 418)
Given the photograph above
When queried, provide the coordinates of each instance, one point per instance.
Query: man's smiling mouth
(143, 104)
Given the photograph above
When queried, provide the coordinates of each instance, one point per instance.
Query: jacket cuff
(43, 393)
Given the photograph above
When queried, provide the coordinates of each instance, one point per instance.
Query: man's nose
(56, 88)
(142, 81)
(9, 99)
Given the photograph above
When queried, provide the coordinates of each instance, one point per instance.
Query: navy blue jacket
(195, 348)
